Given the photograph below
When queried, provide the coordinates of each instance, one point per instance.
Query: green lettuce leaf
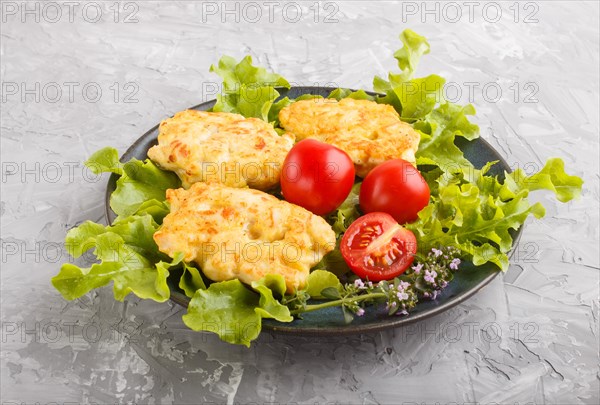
(156, 209)
(235, 312)
(408, 57)
(247, 89)
(340, 220)
(341, 93)
(140, 182)
(273, 116)
(248, 101)
(552, 177)
(318, 280)
(418, 97)
(235, 74)
(421, 102)
(346, 213)
(476, 213)
(334, 261)
(141, 185)
(439, 130)
(105, 160)
(226, 308)
(269, 287)
(128, 257)
(392, 99)
(191, 280)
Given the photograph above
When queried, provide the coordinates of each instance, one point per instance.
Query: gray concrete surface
(82, 75)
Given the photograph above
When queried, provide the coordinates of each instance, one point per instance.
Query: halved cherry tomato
(317, 176)
(376, 247)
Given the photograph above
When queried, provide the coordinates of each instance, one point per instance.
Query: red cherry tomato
(317, 176)
(395, 187)
(376, 247)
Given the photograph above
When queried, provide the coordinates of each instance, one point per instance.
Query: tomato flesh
(376, 247)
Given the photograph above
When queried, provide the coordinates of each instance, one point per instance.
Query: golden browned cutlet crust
(218, 147)
(368, 132)
(243, 233)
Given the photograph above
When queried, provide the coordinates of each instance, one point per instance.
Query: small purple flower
(436, 252)
(360, 312)
(403, 285)
(430, 276)
(417, 268)
(454, 264)
(402, 296)
(435, 294)
(370, 284)
(358, 283)
(444, 284)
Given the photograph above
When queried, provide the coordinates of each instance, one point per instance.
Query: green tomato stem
(336, 303)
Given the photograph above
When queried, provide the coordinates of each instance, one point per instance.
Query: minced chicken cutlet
(368, 132)
(219, 147)
(243, 233)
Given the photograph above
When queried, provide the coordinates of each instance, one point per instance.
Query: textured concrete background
(71, 84)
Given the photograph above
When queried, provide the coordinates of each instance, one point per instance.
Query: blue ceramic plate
(329, 321)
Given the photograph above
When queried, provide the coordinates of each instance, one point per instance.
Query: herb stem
(336, 303)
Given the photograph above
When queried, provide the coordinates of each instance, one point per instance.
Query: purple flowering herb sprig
(431, 273)
(398, 295)
(353, 298)
(425, 279)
